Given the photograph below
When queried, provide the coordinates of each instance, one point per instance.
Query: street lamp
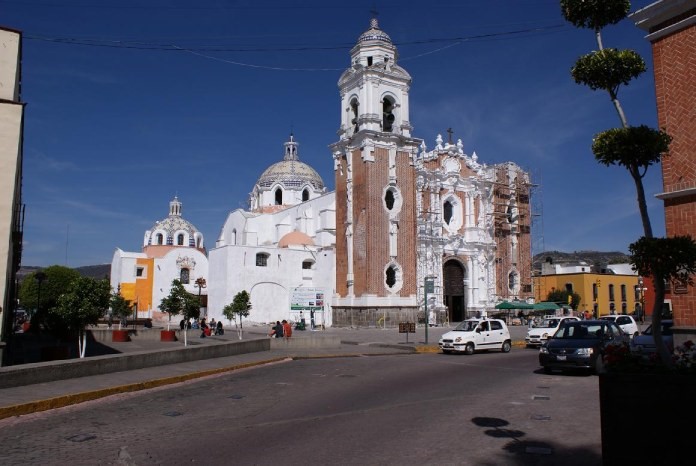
(200, 283)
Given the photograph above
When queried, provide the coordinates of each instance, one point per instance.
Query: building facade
(172, 249)
(11, 207)
(671, 28)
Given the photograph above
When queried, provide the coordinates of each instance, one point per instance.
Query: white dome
(290, 172)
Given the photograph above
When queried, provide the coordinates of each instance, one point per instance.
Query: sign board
(429, 285)
(407, 327)
(307, 299)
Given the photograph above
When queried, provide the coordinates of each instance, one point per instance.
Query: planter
(644, 418)
(120, 335)
(168, 335)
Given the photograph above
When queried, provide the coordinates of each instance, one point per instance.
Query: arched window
(305, 195)
(387, 114)
(180, 239)
(447, 212)
(184, 276)
(160, 238)
(513, 281)
(279, 196)
(354, 112)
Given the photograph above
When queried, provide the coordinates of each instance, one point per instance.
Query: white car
(626, 322)
(537, 335)
(477, 334)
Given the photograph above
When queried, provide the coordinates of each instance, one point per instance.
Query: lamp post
(40, 278)
(200, 283)
(599, 285)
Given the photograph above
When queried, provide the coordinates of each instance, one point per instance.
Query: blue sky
(132, 102)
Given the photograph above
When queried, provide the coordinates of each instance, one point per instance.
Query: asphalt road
(420, 409)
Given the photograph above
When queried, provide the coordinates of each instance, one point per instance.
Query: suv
(477, 334)
(626, 322)
(537, 335)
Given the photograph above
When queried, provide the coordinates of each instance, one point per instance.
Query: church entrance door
(454, 290)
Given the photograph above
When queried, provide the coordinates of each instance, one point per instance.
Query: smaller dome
(374, 33)
(295, 238)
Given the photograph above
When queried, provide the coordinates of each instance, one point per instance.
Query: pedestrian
(212, 323)
(302, 321)
(287, 329)
(182, 324)
(218, 328)
(311, 318)
(278, 329)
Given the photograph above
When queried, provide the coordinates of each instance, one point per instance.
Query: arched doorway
(454, 290)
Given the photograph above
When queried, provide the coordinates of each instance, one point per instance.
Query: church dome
(295, 238)
(174, 230)
(374, 33)
(290, 172)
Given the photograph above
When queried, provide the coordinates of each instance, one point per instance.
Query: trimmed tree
(558, 296)
(239, 308)
(180, 301)
(84, 303)
(635, 148)
(121, 308)
(54, 281)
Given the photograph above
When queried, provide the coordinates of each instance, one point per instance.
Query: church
(410, 233)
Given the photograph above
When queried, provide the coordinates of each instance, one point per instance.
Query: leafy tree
(121, 308)
(239, 308)
(561, 296)
(180, 301)
(55, 281)
(84, 303)
(634, 148)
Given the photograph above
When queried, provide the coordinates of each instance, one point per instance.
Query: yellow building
(600, 293)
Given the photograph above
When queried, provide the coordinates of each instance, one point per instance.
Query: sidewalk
(332, 342)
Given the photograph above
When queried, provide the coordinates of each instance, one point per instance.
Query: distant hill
(596, 259)
(93, 271)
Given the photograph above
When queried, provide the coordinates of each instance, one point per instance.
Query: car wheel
(469, 348)
(506, 347)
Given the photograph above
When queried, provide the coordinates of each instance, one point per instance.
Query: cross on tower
(450, 132)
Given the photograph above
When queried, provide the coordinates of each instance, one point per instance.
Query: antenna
(67, 240)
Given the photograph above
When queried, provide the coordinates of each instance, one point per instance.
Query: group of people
(281, 330)
(214, 328)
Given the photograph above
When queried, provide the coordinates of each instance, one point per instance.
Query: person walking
(278, 329)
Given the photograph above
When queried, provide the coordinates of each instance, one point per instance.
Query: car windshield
(583, 331)
(550, 323)
(467, 326)
(608, 318)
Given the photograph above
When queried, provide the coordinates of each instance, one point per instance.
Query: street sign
(407, 327)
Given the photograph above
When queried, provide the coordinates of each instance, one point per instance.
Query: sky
(131, 102)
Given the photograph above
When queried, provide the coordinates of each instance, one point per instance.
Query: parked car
(626, 322)
(644, 342)
(537, 335)
(477, 334)
(580, 345)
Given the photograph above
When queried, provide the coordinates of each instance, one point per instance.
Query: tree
(83, 304)
(55, 281)
(239, 308)
(180, 301)
(634, 148)
(561, 296)
(121, 308)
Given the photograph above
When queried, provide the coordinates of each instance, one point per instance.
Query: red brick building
(671, 28)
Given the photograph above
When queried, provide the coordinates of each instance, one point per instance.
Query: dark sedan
(580, 345)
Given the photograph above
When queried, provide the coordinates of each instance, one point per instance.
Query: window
(611, 292)
(307, 265)
(447, 212)
(279, 196)
(180, 239)
(595, 290)
(140, 271)
(623, 292)
(305, 195)
(354, 111)
(389, 199)
(387, 114)
(261, 260)
(391, 276)
(495, 325)
(160, 238)
(184, 276)
(569, 287)
(624, 308)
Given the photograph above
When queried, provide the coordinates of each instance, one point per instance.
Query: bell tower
(375, 186)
